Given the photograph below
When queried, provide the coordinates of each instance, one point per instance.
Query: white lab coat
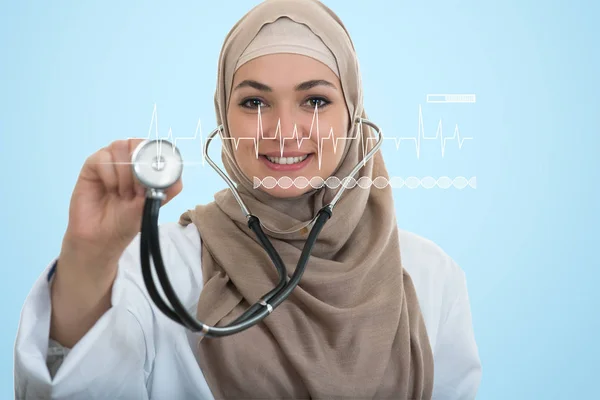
(135, 352)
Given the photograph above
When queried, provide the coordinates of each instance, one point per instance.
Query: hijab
(353, 327)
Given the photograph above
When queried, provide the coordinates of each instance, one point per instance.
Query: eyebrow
(311, 84)
(300, 87)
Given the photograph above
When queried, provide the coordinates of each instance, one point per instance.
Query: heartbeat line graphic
(171, 138)
(259, 137)
(438, 136)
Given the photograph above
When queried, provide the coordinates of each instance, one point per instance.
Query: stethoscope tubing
(150, 248)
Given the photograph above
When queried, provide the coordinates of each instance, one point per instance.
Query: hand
(106, 207)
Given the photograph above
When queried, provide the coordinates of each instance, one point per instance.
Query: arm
(111, 360)
(80, 294)
(458, 367)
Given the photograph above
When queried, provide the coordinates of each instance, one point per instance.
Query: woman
(379, 313)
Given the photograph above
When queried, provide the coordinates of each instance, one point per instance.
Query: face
(293, 108)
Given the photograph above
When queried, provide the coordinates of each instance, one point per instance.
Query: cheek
(242, 132)
(333, 134)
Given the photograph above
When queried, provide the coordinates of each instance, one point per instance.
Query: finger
(99, 168)
(138, 188)
(120, 152)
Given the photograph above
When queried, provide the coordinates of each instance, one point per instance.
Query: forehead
(284, 69)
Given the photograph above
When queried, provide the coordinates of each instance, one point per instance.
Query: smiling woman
(289, 99)
(377, 313)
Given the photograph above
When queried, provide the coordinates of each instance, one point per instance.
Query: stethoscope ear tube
(323, 216)
(254, 225)
(359, 121)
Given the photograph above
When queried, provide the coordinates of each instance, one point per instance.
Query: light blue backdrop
(77, 75)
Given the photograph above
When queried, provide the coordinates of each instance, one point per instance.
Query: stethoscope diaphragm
(157, 164)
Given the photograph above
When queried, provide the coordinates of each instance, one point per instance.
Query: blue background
(75, 76)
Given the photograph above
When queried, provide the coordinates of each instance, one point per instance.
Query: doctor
(379, 313)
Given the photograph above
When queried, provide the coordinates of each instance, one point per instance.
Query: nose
(287, 125)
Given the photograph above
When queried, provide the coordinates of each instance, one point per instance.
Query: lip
(285, 154)
(286, 167)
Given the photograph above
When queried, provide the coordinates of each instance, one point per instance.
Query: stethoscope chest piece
(157, 164)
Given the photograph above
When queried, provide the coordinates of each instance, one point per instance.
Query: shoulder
(442, 291)
(422, 256)
(180, 235)
(428, 264)
(183, 254)
(438, 279)
(176, 241)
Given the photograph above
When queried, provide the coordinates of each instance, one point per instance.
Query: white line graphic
(260, 136)
(380, 182)
(451, 98)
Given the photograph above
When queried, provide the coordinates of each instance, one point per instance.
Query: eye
(252, 103)
(318, 102)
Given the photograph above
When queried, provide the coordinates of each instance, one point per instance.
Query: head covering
(287, 36)
(353, 327)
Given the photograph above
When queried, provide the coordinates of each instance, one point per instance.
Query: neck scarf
(353, 327)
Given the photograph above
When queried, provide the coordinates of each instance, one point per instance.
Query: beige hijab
(353, 328)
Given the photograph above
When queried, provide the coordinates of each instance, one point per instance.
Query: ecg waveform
(171, 138)
(259, 136)
(417, 140)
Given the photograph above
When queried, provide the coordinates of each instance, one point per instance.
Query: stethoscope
(158, 164)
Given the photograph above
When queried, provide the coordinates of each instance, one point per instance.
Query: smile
(294, 162)
(287, 160)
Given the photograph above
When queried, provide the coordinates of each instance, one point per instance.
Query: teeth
(287, 160)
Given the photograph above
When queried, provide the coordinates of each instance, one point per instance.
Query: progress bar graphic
(451, 98)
